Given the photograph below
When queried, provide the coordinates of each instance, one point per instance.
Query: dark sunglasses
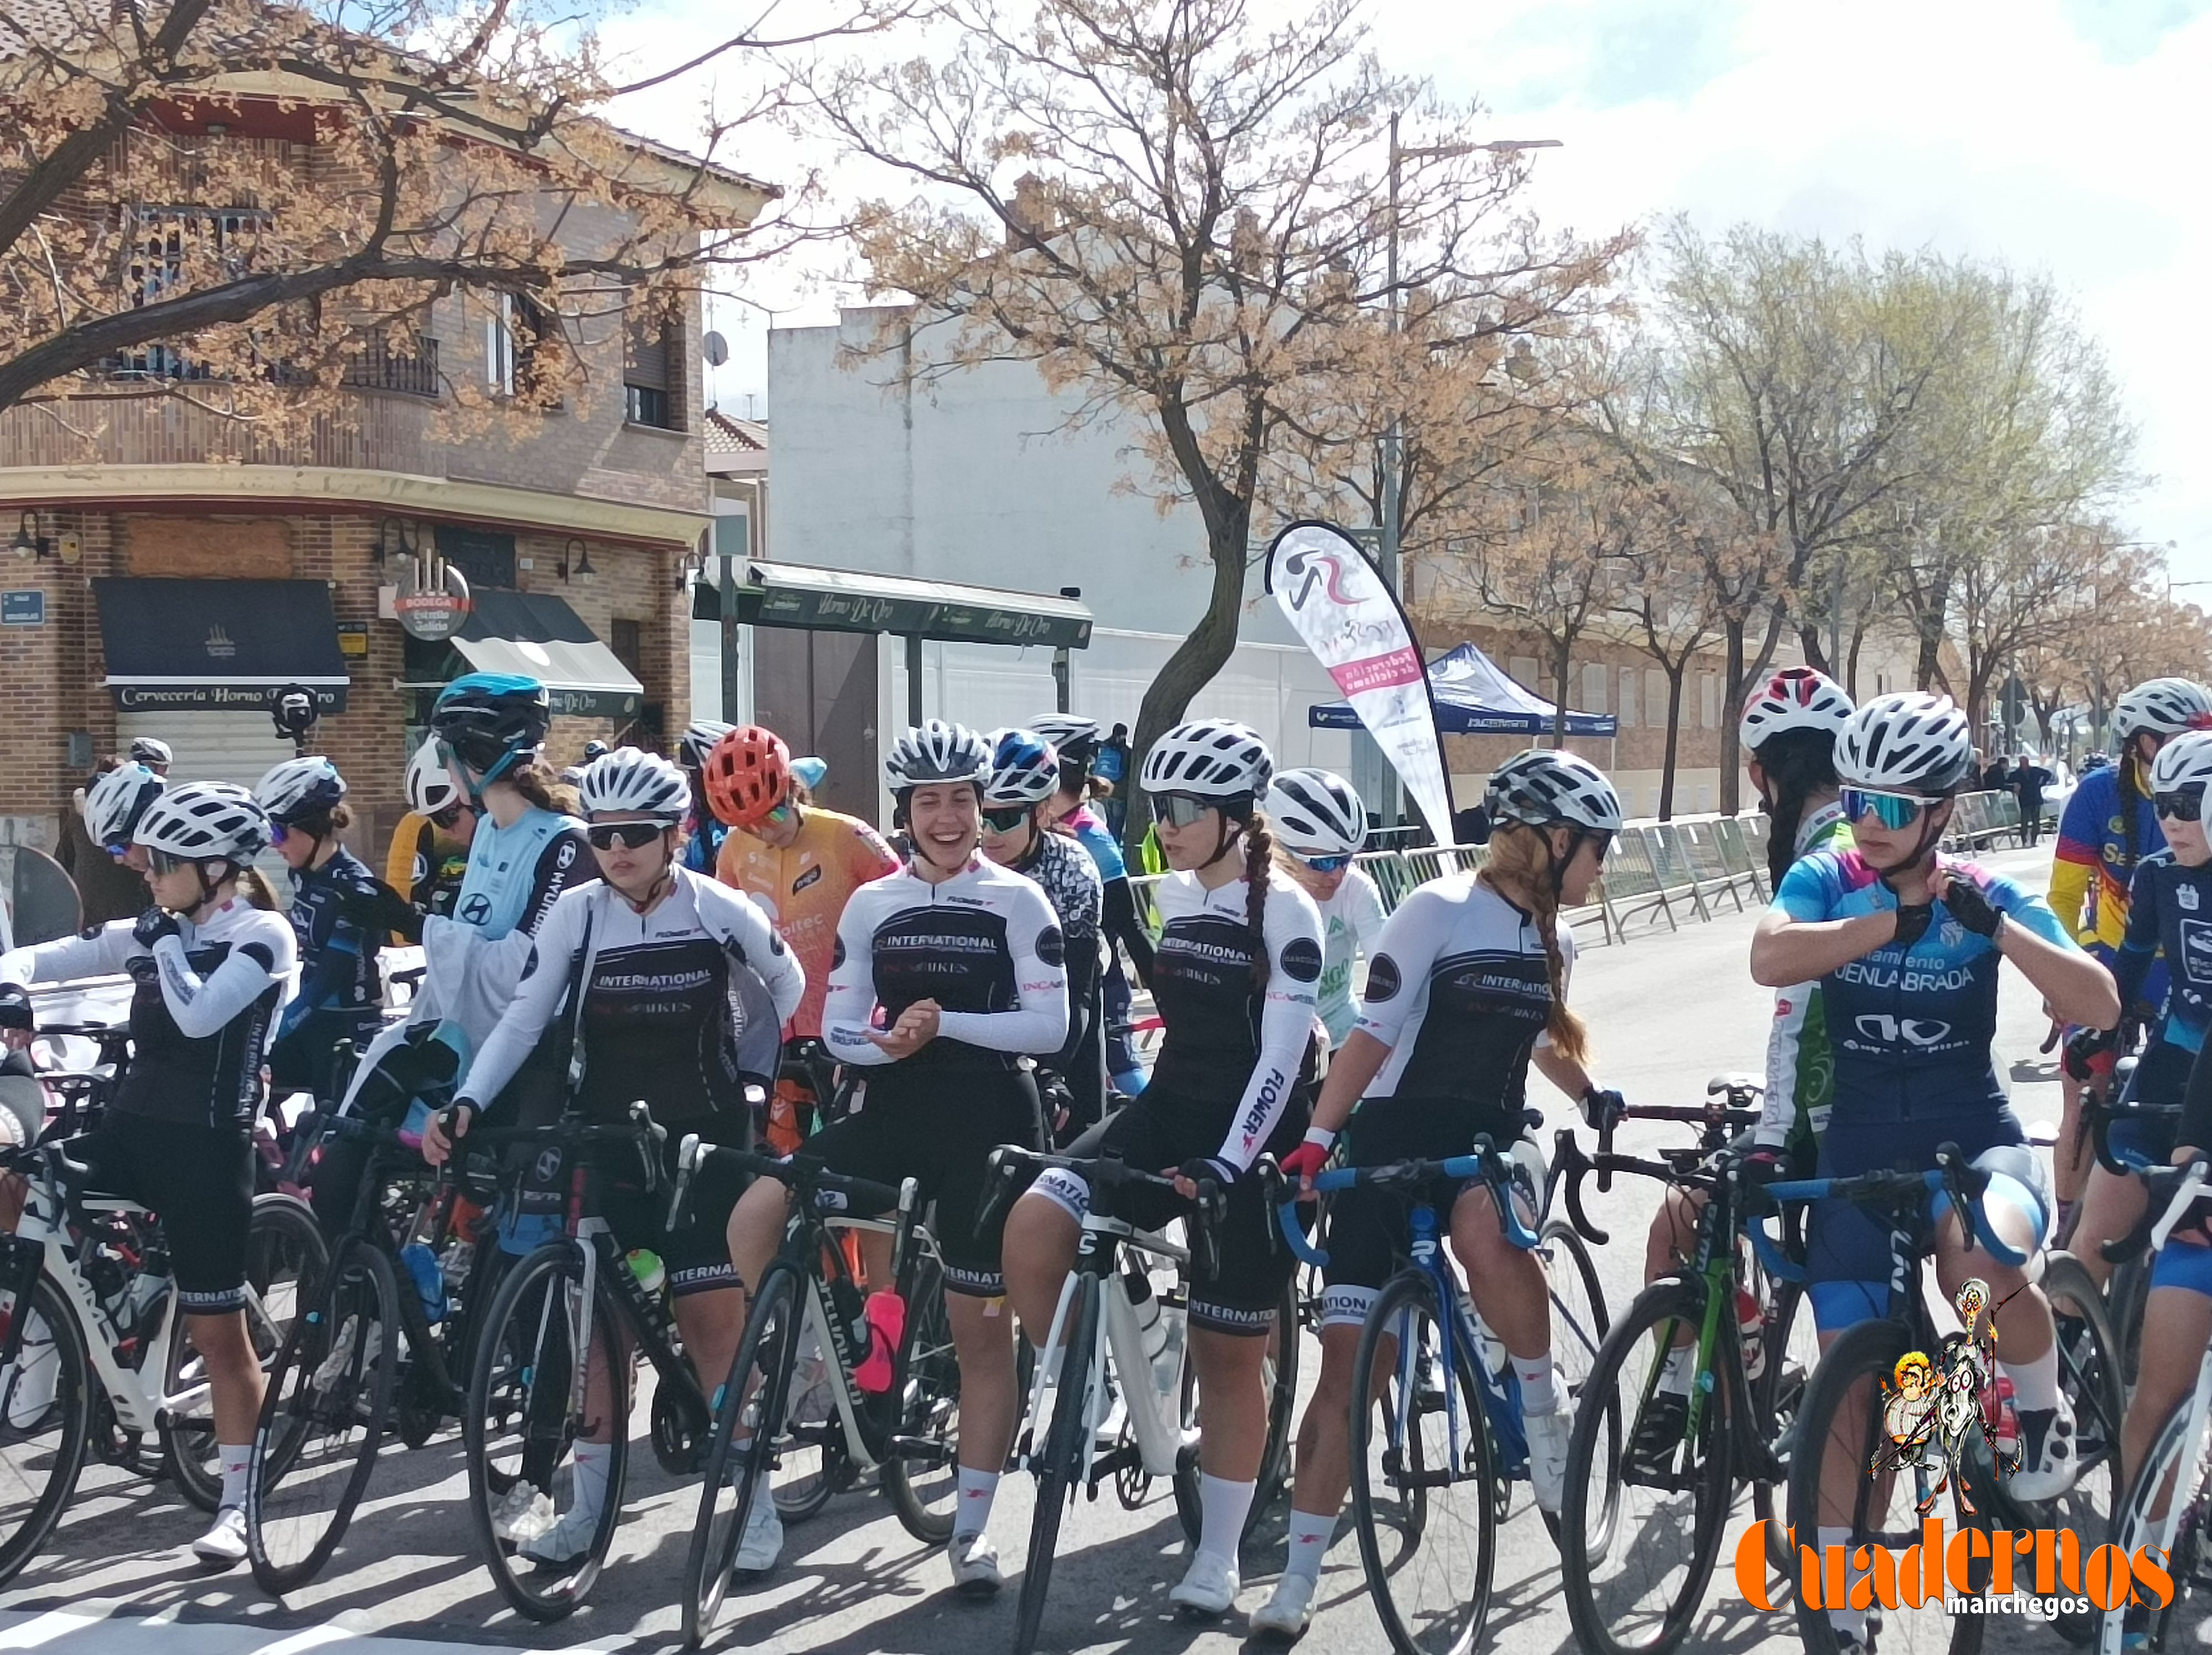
(1893, 809)
(2186, 804)
(447, 820)
(1180, 810)
(1005, 820)
(631, 835)
(162, 862)
(1327, 864)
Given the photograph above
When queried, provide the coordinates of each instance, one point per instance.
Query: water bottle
(430, 1280)
(652, 1275)
(1751, 1323)
(886, 1317)
(1151, 1322)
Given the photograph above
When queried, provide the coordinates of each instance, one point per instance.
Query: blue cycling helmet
(1024, 770)
(491, 721)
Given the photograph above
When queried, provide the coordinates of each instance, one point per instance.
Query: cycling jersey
(2170, 917)
(1070, 881)
(1801, 1068)
(679, 1005)
(1118, 915)
(201, 1013)
(2095, 858)
(338, 959)
(803, 887)
(708, 833)
(1351, 920)
(424, 866)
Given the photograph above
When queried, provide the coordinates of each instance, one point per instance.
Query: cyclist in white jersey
(1320, 826)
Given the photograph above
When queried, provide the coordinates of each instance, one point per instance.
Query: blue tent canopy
(1473, 697)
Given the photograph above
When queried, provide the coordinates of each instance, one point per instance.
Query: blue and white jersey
(518, 871)
(1911, 1029)
(2170, 917)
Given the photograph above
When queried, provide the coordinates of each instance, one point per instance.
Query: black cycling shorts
(1160, 1130)
(696, 1255)
(938, 1129)
(198, 1180)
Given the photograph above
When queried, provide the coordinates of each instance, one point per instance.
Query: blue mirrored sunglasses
(1327, 864)
(1892, 810)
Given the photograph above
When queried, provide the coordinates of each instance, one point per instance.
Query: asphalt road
(1668, 1011)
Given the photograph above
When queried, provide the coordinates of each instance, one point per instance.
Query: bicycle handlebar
(1953, 1174)
(2110, 1112)
(1207, 1209)
(2174, 1190)
(801, 1173)
(1488, 1163)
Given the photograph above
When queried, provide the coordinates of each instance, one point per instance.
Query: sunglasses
(1327, 864)
(1892, 810)
(2186, 805)
(162, 862)
(630, 835)
(119, 852)
(447, 819)
(1006, 820)
(1180, 810)
(1599, 840)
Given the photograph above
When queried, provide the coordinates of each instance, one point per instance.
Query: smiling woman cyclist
(1905, 944)
(946, 972)
(684, 989)
(210, 970)
(1233, 972)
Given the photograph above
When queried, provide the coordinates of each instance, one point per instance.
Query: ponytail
(254, 885)
(1798, 764)
(1258, 862)
(536, 782)
(1521, 869)
(2131, 793)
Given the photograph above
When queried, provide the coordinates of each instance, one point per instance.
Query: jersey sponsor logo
(1302, 959)
(2187, 896)
(2197, 951)
(1952, 934)
(565, 854)
(1383, 979)
(1052, 945)
(1912, 1031)
(1256, 1117)
(475, 908)
(1783, 1008)
(812, 876)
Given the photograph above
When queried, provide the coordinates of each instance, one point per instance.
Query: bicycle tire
(2090, 1364)
(1280, 1376)
(360, 1291)
(768, 1346)
(286, 1258)
(522, 1301)
(1777, 1394)
(929, 1408)
(1851, 1373)
(1378, 1370)
(1646, 1327)
(71, 1411)
(1065, 1447)
(1579, 1325)
(2134, 1525)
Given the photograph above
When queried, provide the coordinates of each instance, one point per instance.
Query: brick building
(277, 556)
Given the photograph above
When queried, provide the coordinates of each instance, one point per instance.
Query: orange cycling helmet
(747, 775)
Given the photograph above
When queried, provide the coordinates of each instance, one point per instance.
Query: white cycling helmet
(430, 785)
(116, 800)
(1794, 699)
(1316, 814)
(2184, 762)
(628, 780)
(205, 822)
(1209, 758)
(1914, 743)
(300, 787)
(148, 751)
(937, 751)
(1546, 788)
(1066, 732)
(1024, 770)
(2162, 707)
(695, 743)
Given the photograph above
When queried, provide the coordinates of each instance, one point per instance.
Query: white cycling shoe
(1547, 1454)
(1285, 1616)
(524, 1514)
(564, 1544)
(975, 1563)
(1209, 1587)
(224, 1542)
(764, 1542)
(2050, 1460)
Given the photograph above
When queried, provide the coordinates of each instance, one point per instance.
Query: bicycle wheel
(1840, 1428)
(526, 1409)
(1579, 1324)
(45, 1422)
(2179, 1468)
(1422, 1478)
(322, 1420)
(813, 1463)
(1643, 1588)
(2089, 1376)
(1061, 1473)
(741, 1462)
(1279, 1374)
(921, 1474)
(1792, 1350)
(285, 1258)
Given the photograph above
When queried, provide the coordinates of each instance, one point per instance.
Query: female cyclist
(800, 863)
(675, 988)
(1233, 972)
(1906, 944)
(341, 992)
(947, 970)
(1789, 737)
(707, 831)
(113, 805)
(1024, 774)
(429, 855)
(1319, 826)
(1467, 988)
(2107, 827)
(210, 970)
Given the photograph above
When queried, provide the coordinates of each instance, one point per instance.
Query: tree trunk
(1816, 656)
(1732, 630)
(1858, 638)
(1674, 675)
(1562, 653)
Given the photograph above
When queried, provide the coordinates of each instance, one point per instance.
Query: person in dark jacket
(1997, 775)
(2029, 781)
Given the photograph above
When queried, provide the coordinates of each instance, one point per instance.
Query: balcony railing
(408, 366)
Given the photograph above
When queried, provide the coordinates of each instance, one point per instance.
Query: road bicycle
(1441, 1440)
(2168, 1508)
(890, 1376)
(2128, 1285)
(1842, 1414)
(1643, 1588)
(95, 1357)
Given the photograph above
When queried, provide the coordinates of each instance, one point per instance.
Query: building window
(1708, 701)
(627, 640)
(169, 251)
(514, 333)
(1593, 677)
(1524, 671)
(654, 349)
(1655, 698)
(1627, 697)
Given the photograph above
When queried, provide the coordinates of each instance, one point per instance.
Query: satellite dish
(715, 348)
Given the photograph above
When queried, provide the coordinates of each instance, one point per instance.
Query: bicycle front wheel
(322, 1420)
(2167, 1510)
(1636, 1582)
(1061, 1473)
(2090, 1367)
(1422, 1479)
(919, 1472)
(741, 1464)
(548, 1364)
(1579, 1324)
(45, 1414)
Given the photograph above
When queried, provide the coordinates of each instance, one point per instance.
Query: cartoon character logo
(1932, 1408)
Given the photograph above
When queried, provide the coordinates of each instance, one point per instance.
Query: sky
(2051, 135)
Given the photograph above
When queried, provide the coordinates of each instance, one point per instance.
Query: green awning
(845, 601)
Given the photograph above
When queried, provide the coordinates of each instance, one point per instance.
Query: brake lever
(687, 1161)
(1205, 1243)
(1605, 1131)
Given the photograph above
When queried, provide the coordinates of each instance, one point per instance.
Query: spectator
(1110, 764)
(1997, 775)
(2029, 781)
(105, 889)
(153, 755)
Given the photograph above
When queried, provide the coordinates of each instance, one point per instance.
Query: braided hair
(1522, 868)
(1259, 863)
(2132, 793)
(1798, 764)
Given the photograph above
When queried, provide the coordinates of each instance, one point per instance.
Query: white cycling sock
(1309, 1537)
(1539, 1393)
(973, 1515)
(1223, 1506)
(1849, 1621)
(2034, 1385)
(1675, 1374)
(594, 1462)
(235, 1458)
